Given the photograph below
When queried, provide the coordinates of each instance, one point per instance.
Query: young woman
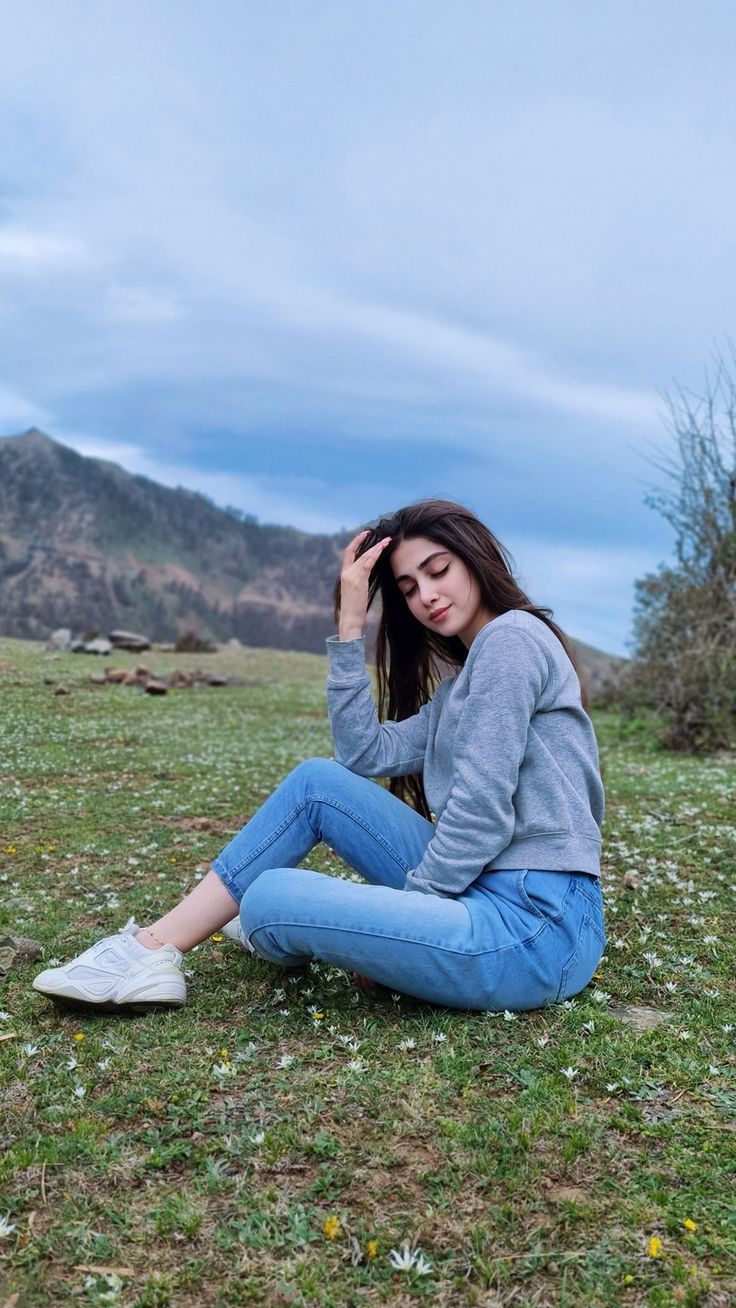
(481, 861)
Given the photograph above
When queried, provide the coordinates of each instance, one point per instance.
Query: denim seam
(376, 935)
(291, 817)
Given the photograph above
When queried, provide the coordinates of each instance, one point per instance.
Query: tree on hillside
(685, 615)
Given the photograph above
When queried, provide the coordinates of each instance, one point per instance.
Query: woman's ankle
(146, 937)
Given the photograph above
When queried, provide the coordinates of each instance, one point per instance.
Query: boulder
(60, 639)
(100, 645)
(116, 674)
(154, 687)
(129, 640)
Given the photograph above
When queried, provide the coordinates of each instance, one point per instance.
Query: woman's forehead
(411, 554)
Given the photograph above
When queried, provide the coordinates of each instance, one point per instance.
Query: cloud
(25, 250)
(17, 412)
(271, 499)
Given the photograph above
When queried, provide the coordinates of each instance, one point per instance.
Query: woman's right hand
(354, 579)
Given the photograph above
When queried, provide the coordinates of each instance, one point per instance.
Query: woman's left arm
(507, 678)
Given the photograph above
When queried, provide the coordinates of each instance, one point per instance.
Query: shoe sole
(89, 1006)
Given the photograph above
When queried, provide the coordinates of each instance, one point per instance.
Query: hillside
(86, 545)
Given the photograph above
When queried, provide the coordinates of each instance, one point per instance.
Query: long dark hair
(411, 659)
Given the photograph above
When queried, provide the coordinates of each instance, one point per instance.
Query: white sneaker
(234, 931)
(118, 973)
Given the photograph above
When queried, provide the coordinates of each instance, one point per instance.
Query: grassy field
(282, 1138)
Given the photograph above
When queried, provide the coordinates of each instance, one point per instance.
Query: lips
(435, 617)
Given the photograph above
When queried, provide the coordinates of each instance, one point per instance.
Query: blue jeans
(514, 939)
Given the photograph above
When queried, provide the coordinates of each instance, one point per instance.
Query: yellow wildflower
(372, 1248)
(628, 1278)
(79, 1035)
(317, 1017)
(689, 1224)
(332, 1227)
(654, 1248)
(10, 849)
(224, 1053)
(217, 938)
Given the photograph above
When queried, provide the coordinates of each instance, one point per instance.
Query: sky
(319, 260)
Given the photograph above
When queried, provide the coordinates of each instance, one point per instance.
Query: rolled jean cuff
(227, 879)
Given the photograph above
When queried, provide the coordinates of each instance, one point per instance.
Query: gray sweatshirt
(507, 753)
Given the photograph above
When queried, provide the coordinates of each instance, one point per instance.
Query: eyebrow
(423, 564)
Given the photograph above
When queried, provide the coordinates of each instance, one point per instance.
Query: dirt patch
(221, 826)
(642, 1019)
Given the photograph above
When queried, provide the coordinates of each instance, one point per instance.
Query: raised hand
(354, 579)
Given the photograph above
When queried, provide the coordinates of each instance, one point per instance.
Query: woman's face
(440, 590)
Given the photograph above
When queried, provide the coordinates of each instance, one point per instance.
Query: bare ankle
(148, 939)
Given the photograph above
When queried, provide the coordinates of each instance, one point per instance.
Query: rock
(61, 690)
(60, 639)
(631, 880)
(100, 645)
(116, 674)
(216, 680)
(180, 679)
(129, 640)
(130, 679)
(233, 643)
(49, 681)
(642, 1019)
(154, 687)
(99, 679)
(166, 648)
(143, 672)
(77, 647)
(17, 951)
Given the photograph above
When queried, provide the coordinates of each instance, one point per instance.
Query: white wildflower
(6, 1228)
(4, 1016)
(542, 1041)
(72, 1063)
(103, 1064)
(600, 996)
(223, 1069)
(570, 1072)
(79, 1091)
(258, 1137)
(355, 1065)
(684, 1035)
(285, 1060)
(710, 940)
(670, 987)
(589, 1026)
(613, 1085)
(727, 1027)
(408, 1043)
(653, 960)
(508, 1016)
(439, 1037)
(406, 1261)
(29, 1050)
(714, 1071)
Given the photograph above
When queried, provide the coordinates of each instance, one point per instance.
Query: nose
(429, 593)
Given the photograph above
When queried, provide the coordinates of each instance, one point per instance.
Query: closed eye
(441, 573)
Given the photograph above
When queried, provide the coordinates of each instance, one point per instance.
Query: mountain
(86, 545)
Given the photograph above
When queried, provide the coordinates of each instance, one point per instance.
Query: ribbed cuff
(347, 657)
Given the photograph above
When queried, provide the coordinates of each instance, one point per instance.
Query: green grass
(197, 1177)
